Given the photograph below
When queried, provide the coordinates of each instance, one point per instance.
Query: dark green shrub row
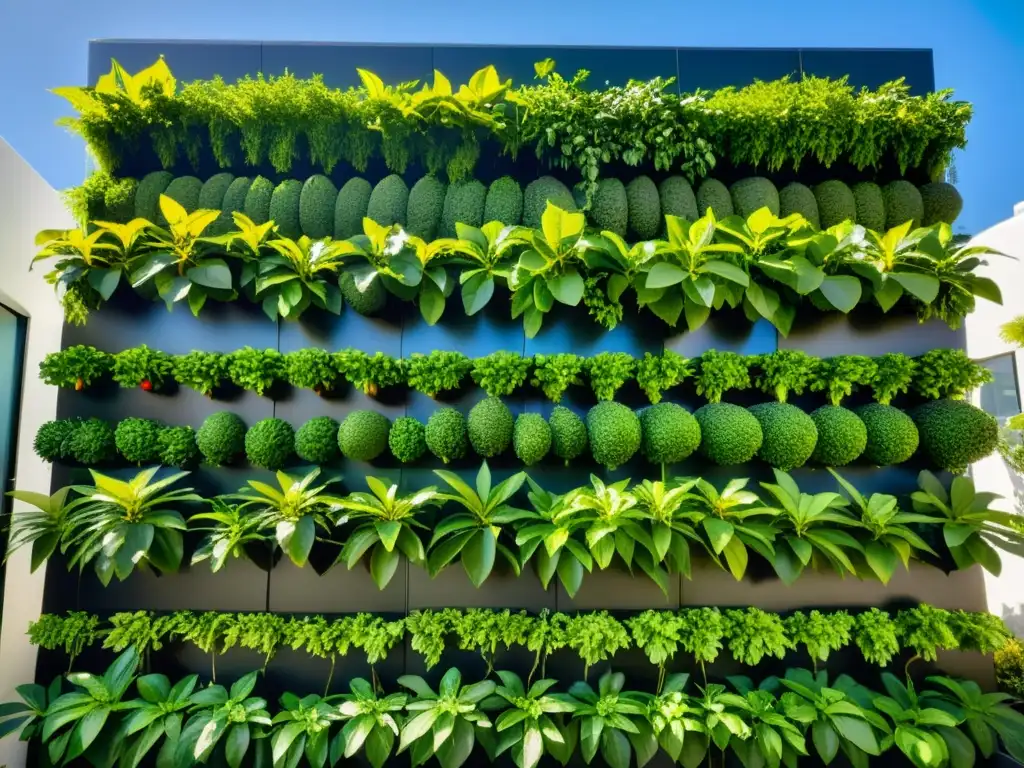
(951, 434)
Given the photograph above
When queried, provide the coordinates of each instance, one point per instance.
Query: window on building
(999, 397)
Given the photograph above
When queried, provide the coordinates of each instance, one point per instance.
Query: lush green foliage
(954, 434)
(729, 434)
(489, 427)
(363, 435)
(221, 438)
(789, 435)
(270, 443)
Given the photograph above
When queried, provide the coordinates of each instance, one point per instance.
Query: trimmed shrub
(842, 436)
(728, 433)
(234, 201)
(941, 202)
(177, 447)
(903, 203)
(715, 195)
(183, 190)
(257, 200)
(955, 433)
(368, 302)
(788, 435)
(389, 202)
(836, 203)
(568, 434)
(426, 204)
(316, 207)
(870, 207)
(532, 438)
(350, 208)
(316, 441)
(284, 208)
(644, 207)
(537, 195)
(490, 426)
(52, 439)
(504, 202)
(677, 199)
(147, 196)
(211, 196)
(610, 208)
(752, 194)
(798, 198)
(445, 434)
(137, 440)
(670, 433)
(270, 443)
(407, 440)
(892, 436)
(92, 442)
(363, 435)
(614, 433)
(463, 204)
(221, 438)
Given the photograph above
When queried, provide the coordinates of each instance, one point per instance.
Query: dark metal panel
(726, 332)
(869, 332)
(872, 68)
(338, 62)
(710, 68)
(339, 590)
(188, 60)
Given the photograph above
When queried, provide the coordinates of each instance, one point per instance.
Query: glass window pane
(999, 397)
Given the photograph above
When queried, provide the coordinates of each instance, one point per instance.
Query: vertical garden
(539, 418)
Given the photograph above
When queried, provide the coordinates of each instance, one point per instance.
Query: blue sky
(978, 44)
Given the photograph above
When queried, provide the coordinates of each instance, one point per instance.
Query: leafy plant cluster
(654, 527)
(759, 263)
(94, 442)
(564, 121)
(803, 714)
(939, 373)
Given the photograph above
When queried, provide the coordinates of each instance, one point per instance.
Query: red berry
(147, 385)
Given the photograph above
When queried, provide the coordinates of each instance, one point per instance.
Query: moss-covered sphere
(221, 438)
(463, 204)
(504, 202)
(316, 207)
(215, 188)
(389, 202)
(92, 443)
(147, 195)
(532, 438)
(955, 433)
(368, 302)
(537, 195)
(788, 435)
(870, 207)
(363, 435)
(350, 208)
(614, 433)
(490, 426)
(407, 439)
(752, 194)
(52, 439)
(677, 199)
(257, 200)
(903, 203)
(184, 190)
(644, 207)
(178, 447)
(941, 202)
(445, 434)
(670, 433)
(137, 440)
(233, 202)
(728, 433)
(836, 203)
(892, 436)
(426, 203)
(715, 195)
(568, 434)
(798, 198)
(316, 441)
(270, 443)
(842, 436)
(610, 208)
(284, 208)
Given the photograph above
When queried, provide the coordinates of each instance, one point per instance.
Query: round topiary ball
(136, 440)
(445, 434)
(316, 441)
(532, 438)
(363, 435)
(490, 426)
(836, 203)
(954, 433)
(870, 208)
(677, 199)
(407, 439)
(178, 447)
(670, 433)
(903, 203)
(270, 443)
(941, 202)
(728, 434)
(892, 436)
(614, 433)
(568, 434)
(842, 436)
(367, 303)
(715, 195)
(52, 438)
(92, 443)
(221, 438)
(753, 194)
(789, 435)
(798, 198)
(610, 209)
